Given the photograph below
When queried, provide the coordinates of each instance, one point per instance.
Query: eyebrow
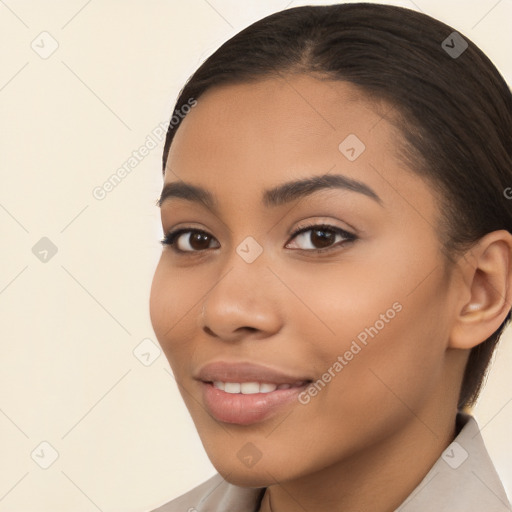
(277, 196)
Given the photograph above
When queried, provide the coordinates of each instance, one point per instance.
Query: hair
(442, 104)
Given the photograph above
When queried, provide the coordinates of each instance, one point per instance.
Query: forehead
(275, 120)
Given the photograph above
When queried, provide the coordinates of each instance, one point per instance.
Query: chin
(246, 477)
(263, 473)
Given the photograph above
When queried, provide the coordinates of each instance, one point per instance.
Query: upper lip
(245, 372)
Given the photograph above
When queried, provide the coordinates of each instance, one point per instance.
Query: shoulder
(215, 495)
(462, 479)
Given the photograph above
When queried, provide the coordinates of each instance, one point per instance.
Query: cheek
(388, 323)
(389, 366)
(175, 300)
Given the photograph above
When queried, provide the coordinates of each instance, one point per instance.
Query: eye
(188, 240)
(321, 237)
(312, 238)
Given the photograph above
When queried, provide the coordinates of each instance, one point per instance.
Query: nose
(244, 301)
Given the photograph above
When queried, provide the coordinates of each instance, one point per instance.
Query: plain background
(69, 325)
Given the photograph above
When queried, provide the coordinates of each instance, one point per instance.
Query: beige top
(463, 479)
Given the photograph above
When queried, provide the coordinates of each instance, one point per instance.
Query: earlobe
(487, 277)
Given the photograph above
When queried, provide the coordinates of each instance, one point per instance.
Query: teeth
(232, 387)
(219, 385)
(250, 388)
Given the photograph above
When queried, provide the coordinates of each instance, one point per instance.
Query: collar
(462, 479)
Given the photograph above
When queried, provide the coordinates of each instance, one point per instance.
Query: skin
(369, 437)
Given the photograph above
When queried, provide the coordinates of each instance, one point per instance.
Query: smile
(251, 388)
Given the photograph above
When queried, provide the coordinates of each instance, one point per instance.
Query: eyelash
(171, 237)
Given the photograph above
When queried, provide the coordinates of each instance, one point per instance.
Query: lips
(247, 393)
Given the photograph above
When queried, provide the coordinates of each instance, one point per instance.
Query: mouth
(246, 393)
(252, 388)
(232, 405)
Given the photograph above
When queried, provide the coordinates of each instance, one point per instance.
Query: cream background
(68, 327)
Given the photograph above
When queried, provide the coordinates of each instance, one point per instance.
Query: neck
(378, 479)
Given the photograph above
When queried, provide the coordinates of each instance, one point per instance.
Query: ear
(486, 296)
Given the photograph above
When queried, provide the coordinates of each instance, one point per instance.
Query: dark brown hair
(449, 102)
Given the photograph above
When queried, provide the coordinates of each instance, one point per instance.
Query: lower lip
(246, 409)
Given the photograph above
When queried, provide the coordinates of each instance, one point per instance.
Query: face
(298, 319)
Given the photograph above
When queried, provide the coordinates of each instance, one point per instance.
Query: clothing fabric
(463, 479)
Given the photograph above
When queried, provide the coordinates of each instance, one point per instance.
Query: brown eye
(188, 240)
(197, 241)
(319, 237)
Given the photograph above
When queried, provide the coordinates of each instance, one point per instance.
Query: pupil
(321, 238)
(199, 241)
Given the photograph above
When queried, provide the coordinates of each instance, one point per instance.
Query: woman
(337, 262)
